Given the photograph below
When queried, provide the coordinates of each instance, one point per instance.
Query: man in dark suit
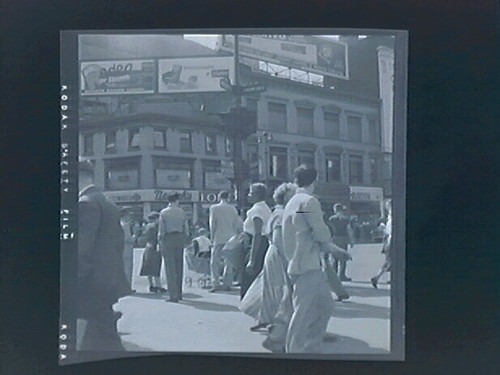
(101, 277)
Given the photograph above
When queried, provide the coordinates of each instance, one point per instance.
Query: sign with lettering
(150, 195)
(365, 193)
(117, 77)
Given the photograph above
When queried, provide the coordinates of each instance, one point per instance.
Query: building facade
(147, 146)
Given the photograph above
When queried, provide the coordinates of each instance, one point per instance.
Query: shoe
(273, 346)
(343, 298)
(172, 300)
(258, 327)
(345, 278)
(153, 289)
(219, 289)
(330, 338)
(160, 290)
(374, 282)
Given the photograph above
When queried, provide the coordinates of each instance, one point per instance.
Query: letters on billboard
(194, 74)
(315, 54)
(117, 77)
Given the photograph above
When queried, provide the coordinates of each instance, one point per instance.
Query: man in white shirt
(305, 237)
(224, 224)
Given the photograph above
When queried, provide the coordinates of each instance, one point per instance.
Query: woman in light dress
(263, 297)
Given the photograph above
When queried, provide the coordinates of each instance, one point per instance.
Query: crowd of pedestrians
(286, 261)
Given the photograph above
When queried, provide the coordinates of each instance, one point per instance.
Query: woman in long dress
(264, 296)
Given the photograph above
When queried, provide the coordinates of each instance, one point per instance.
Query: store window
(307, 158)
(212, 176)
(122, 174)
(110, 141)
(373, 132)
(186, 143)
(374, 174)
(278, 162)
(332, 125)
(333, 168)
(88, 144)
(355, 169)
(173, 173)
(305, 120)
(354, 129)
(277, 117)
(211, 144)
(134, 139)
(160, 138)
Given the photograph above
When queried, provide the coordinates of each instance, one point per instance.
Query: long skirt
(262, 299)
(246, 278)
(151, 262)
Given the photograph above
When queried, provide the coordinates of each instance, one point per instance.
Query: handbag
(236, 249)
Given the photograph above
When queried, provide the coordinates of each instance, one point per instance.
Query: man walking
(340, 224)
(224, 224)
(305, 237)
(101, 277)
(172, 234)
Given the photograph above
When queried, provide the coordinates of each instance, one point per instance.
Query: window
(355, 169)
(307, 158)
(211, 144)
(332, 125)
(354, 129)
(160, 138)
(134, 139)
(333, 167)
(373, 135)
(277, 117)
(173, 173)
(278, 162)
(213, 177)
(122, 174)
(305, 120)
(374, 170)
(186, 145)
(228, 145)
(88, 144)
(110, 141)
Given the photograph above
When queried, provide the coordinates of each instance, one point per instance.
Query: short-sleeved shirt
(172, 220)
(260, 210)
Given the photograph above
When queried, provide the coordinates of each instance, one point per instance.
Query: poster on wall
(194, 74)
(117, 77)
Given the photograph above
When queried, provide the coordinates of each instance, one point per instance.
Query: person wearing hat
(101, 277)
(151, 259)
(130, 239)
(172, 234)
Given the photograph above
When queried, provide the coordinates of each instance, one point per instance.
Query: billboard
(194, 74)
(117, 77)
(319, 55)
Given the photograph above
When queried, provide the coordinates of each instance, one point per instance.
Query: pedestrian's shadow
(154, 296)
(357, 291)
(350, 309)
(349, 345)
(210, 306)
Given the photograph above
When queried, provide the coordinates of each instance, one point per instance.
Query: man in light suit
(224, 224)
(305, 237)
(101, 277)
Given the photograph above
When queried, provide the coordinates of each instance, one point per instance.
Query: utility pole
(238, 147)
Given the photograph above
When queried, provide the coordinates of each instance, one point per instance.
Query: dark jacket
(101, 275)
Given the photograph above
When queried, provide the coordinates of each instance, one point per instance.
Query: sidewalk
(212, 322)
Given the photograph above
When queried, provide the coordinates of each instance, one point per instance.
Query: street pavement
(212, 322)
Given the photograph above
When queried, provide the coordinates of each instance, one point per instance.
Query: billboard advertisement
(194, 74)
(319, 55)
(117, 77)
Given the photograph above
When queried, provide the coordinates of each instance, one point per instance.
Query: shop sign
(212, 197)
(152, 195)
(364, 194)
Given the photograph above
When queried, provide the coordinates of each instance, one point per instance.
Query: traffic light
(239, 123)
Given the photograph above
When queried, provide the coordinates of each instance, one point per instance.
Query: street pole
(238, 148)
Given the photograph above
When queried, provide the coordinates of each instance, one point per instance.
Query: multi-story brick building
(147, 145)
